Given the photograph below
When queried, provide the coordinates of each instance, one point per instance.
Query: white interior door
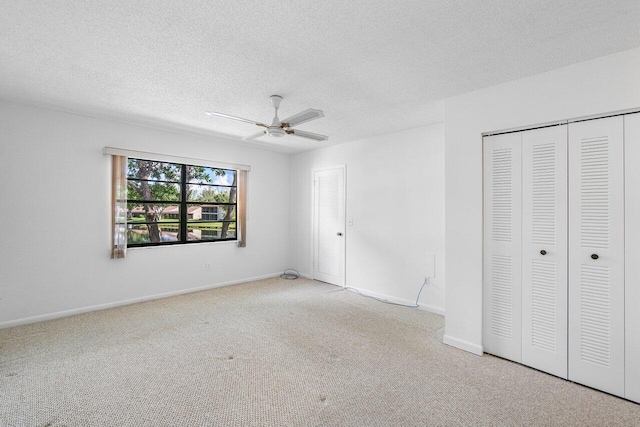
(632, 256)
(502, 272)
(329, 225)
(596, 254)
(544, 249)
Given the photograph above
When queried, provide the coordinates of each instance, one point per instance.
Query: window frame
(184, 204)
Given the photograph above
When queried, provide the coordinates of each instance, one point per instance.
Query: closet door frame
(632, 256)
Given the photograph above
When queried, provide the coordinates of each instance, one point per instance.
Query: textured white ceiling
(374, 67)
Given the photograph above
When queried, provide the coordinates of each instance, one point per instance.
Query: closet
(561, 281)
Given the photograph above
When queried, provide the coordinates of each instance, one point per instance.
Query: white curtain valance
(174, 159)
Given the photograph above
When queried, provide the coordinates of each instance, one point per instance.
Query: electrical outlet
(207, 266)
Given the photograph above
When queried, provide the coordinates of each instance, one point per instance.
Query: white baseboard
(432, 309)
(463, 345)
(389, 298)
(383, 297)
(65, 313)
(306, 276)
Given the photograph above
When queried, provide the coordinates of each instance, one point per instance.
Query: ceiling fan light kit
(280, 128)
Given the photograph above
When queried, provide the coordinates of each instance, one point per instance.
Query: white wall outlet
(351, 222)
(207, 266)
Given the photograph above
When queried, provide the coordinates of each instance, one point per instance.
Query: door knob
(543, 252)
(339, 233)
(594, 256)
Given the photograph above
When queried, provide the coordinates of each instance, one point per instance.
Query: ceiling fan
(279, 128)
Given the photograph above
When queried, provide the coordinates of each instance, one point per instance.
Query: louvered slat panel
(596, 264)
(544, 249)
(595, 300)
(544, 194)
(502, 262)
(543, 305)
(502, 296)
(594, 226)
(502, 194)
(595, 315)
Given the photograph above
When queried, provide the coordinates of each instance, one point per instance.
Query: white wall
(53, 169)
(395, 196)
(54, 257)
(602, 85)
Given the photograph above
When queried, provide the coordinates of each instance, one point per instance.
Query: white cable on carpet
(416, 305)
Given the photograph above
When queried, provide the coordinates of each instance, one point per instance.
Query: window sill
(137, 248)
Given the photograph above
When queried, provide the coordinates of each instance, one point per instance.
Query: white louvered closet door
(632, 256)
(596, 254)
(544, 249)
(502, 322)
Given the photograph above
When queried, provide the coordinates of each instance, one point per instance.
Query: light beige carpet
(274, 353)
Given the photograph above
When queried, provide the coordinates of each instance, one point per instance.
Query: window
(172, 203)
(162, 199)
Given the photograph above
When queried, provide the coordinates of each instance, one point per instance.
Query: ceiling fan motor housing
(275, 131)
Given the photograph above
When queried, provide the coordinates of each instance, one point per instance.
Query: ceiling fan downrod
(275, 129)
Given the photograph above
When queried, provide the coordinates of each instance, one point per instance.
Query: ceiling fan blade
(302, 117)
(240, 119)
(310, 135)
(257, 135)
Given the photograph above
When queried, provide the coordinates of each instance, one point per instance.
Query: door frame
(342, 167)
